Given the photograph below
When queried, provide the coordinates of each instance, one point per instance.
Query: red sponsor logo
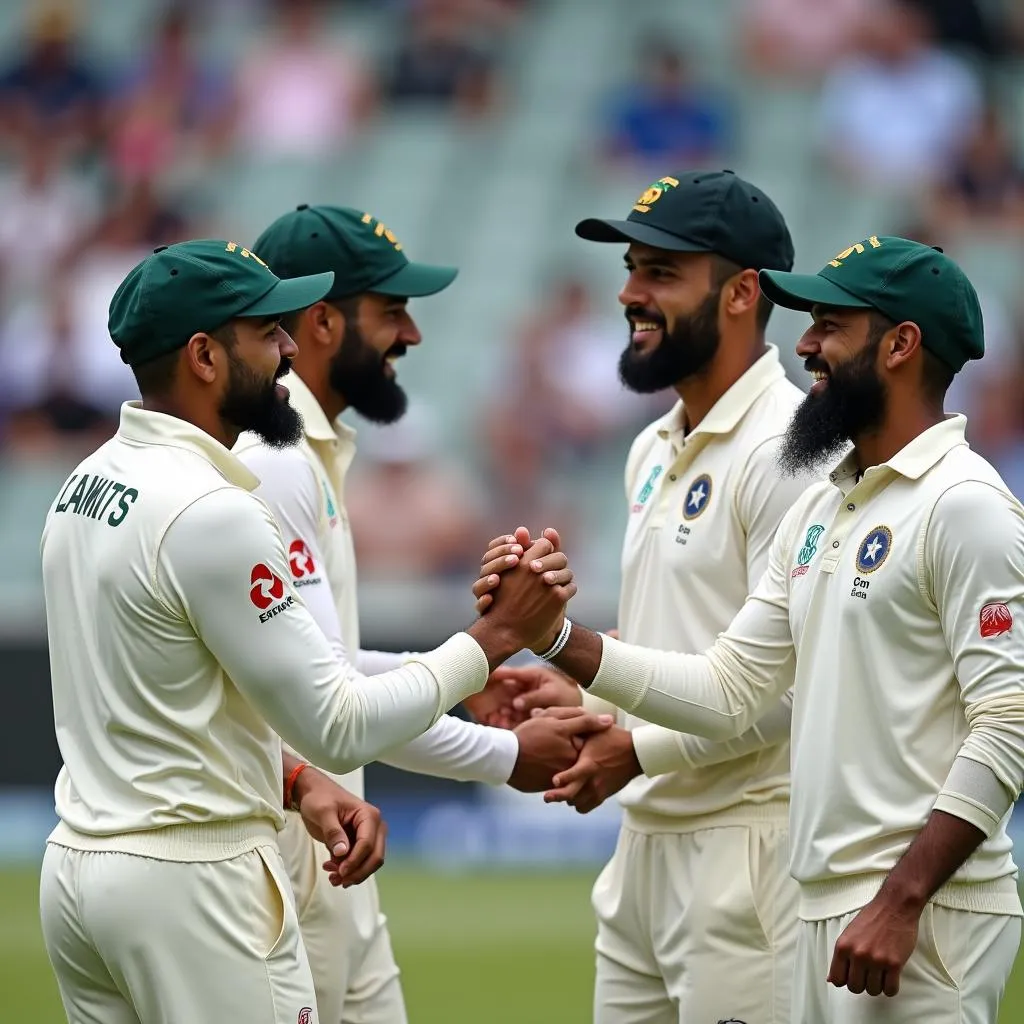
(300, 559)
(266, 587)
(800, 570)
(305, 1015)
(994, 620)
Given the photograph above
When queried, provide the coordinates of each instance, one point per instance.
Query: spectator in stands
(997, 430)
(414, 515)
(301, 91)
(800, 38)
(51, 88)
(898, 113)
(444, 57)
(984, 189)
(665, 118)
(169, 104)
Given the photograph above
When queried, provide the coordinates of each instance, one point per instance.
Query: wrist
(497, 641)
(300, 781)
(904, 897)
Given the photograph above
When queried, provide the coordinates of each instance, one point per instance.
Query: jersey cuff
(962, 807)
(658, 750)
(459, 667)
(596, 706)
(501, 761)
(619, 675)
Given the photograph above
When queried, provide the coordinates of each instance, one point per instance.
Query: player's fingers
(559, 578)
(552, 535)
(505, 538)
(856, 978)
(564, 794)
(588, 799)
(585, 723)
(839, 968)
(499, 565)
(483, 604)
(351, 869)
(538, 549)
(483, 586)
(563, 714)
(566, 593)
(891, 981)
(874, 982)
(556, 560)
(542, 698)
(501, 551)
(521, 535)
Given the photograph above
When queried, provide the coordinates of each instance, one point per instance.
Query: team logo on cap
(246, 254)
(654, 193)
(874, 549)
(857, 247)
(381, 231)
(698, 494)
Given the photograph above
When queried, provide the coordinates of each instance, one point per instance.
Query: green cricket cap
(184, 289)
(903, 280)
(364, 254)
(703, 211)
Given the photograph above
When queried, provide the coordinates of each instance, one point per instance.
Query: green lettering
(76, 498)
(93, 495)
(71, 480)
(114, 492)
(96, 510)
(131, 494)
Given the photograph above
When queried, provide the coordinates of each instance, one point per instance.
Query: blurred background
(479, 131)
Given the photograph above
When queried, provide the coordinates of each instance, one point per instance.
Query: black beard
(250, 403)
(358, 372)
(683, 352)
(852, 404)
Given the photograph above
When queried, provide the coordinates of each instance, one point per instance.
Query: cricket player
(180, 651)
(705, 822)
(347, 345)
(894, 597)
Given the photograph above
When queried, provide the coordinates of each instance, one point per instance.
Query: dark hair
(936, 376)
(722, 269)
(156, 377)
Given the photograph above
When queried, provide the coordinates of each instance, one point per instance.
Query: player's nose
(286, 345)
(632, 295)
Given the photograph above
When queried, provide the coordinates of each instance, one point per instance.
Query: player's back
(151, 731)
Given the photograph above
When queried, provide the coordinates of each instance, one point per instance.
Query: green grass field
(506, 949)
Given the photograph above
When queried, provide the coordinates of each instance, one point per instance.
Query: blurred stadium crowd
(480, 130)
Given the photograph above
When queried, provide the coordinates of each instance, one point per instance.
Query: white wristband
(556, 648)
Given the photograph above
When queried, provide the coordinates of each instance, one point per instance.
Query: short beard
(358, 372)
(852, 404)
(683, 352)
(251, 403)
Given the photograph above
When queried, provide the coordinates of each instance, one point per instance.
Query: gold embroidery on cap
(651, 195)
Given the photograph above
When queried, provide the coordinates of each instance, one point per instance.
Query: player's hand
(874, 948)
(504, 553)
(530, 609)
(352, 830)
(512, 692)
(606, 763)
(550, 744)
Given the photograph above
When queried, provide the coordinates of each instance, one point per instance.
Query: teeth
(819, 375)
(645, 325)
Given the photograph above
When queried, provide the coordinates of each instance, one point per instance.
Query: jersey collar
(316, 425)
(157, 428)
(727, 412)
(915, 459)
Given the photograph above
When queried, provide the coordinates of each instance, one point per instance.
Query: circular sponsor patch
(698, 494)
(874, 549)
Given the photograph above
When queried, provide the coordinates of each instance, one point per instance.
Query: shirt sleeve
(723, 692)
(290, 488)
(974, 571)
(373, 662)
(222, 565)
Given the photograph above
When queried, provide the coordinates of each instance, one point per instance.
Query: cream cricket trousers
(134, 940)
(696, 928)
(345, 935)
(956, 975)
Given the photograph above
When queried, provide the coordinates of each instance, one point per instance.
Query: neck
(702, 391)
(316, 378)
(877, 447)
(209, 422)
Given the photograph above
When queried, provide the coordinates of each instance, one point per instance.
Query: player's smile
(647, 328)
(396, 351)
(819, 370)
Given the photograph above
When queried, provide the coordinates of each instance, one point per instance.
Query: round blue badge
(698, 494)
(874, 549)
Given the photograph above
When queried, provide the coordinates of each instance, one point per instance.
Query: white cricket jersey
(898, 602)
(178, 647)
(304, 487)
(703, 508)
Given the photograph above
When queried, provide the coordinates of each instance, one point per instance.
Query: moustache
(285, 367)
(395, 352)
(813, 365)
(639, 313)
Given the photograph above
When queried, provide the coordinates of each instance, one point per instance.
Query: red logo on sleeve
(300, 559)
(266, 587)
(995, 619)
(306, 1015)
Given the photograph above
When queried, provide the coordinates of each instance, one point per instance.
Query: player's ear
(326, 322)
(204, 356)
(901, 344)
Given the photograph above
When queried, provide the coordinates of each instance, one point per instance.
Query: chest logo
(647, 490)
(809, 550)
(994, 620)
(332, 512)
(698, 494)
(874, 549)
